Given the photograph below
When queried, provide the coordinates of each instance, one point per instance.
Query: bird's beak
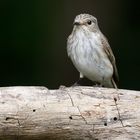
(76, 23)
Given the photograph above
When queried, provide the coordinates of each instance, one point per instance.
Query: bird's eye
(89, 22)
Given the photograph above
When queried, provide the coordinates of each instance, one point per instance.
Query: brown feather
(111, 57)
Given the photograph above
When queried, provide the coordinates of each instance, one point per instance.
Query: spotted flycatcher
(90, 52)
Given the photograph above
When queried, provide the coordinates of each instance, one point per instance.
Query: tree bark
(75, 113)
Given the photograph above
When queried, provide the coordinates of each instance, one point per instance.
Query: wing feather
(111, 57)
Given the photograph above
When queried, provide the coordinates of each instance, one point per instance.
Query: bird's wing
(111, 57)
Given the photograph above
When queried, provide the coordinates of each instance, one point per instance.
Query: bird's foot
(98, 85)
(75, 84)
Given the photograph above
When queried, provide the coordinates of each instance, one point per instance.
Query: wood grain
(75, 113)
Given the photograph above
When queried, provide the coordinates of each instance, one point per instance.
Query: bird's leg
(97, 84)
(77, 83)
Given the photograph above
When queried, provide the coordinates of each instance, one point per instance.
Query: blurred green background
(33, 38)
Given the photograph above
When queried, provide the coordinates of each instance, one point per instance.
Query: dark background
(33, 38)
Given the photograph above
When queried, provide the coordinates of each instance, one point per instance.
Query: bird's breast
(86, 49)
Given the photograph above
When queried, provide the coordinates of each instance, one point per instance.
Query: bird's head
(85, 21)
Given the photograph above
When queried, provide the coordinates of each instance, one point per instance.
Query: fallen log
(74, 113)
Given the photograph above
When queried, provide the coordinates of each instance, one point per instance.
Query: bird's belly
(94, 70)
(91, 65)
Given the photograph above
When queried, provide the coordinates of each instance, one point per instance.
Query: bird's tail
(114, 84)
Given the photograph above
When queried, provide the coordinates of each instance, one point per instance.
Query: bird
(90, 52)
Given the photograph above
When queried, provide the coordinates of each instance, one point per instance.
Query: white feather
(86, 52)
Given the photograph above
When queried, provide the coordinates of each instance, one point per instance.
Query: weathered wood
(75, 113)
